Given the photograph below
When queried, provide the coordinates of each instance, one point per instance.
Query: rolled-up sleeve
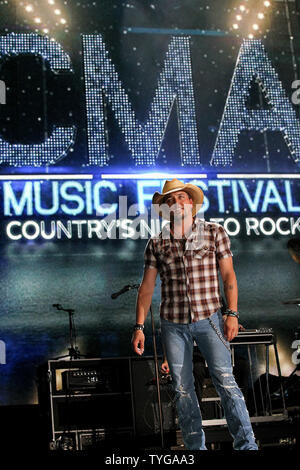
(150, 260)
(222, 244)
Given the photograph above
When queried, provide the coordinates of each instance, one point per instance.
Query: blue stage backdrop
(100, 103)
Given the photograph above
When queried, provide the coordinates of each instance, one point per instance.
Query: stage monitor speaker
(146, 409)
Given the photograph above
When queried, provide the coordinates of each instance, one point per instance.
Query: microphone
(120, 292)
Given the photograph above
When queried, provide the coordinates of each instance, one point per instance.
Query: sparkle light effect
(29, 8)
(253, 62)
(43, 20)
(242, 10)
(62, 138)
(250, 18)
(175, 84)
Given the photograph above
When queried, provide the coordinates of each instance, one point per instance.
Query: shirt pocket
(167, 254)
(205, 250)
(170, 263)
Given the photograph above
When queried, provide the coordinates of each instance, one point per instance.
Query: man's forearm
(144, 296)
(231, 292)
(142, 307)
(143, 303)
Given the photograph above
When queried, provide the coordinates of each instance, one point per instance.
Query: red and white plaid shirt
(190, 288)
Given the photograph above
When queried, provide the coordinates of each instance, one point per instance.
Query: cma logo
(174, 90)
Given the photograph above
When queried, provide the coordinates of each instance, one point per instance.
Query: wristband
(138, 327)
(231, 313)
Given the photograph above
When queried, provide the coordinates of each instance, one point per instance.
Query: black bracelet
(138, 327)
(231, 313)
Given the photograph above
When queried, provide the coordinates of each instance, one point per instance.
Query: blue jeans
(178, 339)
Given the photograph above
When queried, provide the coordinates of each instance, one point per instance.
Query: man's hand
(231, 328)
(138, 341)
(165, 367)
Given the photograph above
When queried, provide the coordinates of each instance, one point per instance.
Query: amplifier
(104, 377)
(255, 336)
(89, 397)
(85, 380)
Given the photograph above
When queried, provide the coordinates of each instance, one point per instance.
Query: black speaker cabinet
(145, 402)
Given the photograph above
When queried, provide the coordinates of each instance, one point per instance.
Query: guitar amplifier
(255, 336)
(94, 380)
(89, 394)
(84, 380)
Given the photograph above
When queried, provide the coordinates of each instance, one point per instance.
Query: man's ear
(296, 258)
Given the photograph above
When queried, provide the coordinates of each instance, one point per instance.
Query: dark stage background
(81, 272)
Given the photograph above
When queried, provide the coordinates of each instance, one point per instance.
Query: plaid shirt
(189, 274)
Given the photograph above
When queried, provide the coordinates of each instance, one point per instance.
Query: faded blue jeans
(178, 339)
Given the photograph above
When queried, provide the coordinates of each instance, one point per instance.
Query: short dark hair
(294, 245)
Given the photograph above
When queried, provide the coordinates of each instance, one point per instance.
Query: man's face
(181, 204)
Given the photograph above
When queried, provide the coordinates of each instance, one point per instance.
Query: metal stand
(64, 442)
(114, 296)
(267, 338)
(73, 349)
(157, 380)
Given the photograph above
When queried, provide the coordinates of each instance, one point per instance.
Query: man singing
(187, 254)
